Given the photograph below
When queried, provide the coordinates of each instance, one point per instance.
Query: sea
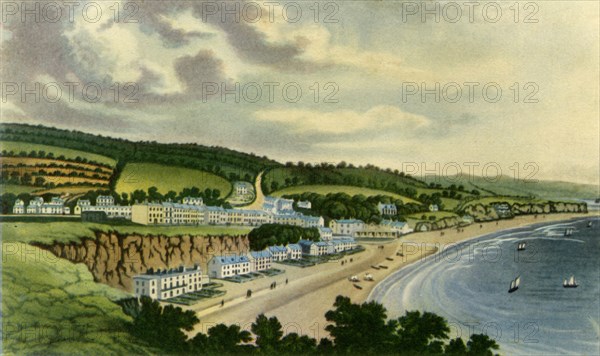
(468, 285)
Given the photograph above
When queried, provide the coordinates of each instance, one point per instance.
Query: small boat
(389, 258)
(374, 267)
(382, 266)
(353, 279)
(357, 286)
(521, 246)
(589, 224)
(568, 231)
(514, 285)
(571, 283)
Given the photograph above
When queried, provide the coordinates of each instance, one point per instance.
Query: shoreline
(301, 304)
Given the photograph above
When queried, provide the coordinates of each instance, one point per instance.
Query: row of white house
(169, 283)
(233, 265)
(358, 229)
(37, 206)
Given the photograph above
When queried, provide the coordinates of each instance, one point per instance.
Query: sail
(512, 284)
(565, 282)
(572, 280)
(517, 281)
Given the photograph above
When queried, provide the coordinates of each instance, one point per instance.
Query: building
(193, 201)
(167, 213)
(279, 253)
(376, 231)
(110, 210)
(105, 200)
(228, 266)
(19, 207)
(387, 209)
(294, 252)
(325, 233)
(278, 205)
(56, 206)
(35, 206)
(260, 260)
(298, 219)
(240, 188)
(94, 216)
(246, 217)
(346, 226)
(312, 248)
(433, 207)
(399, 226)
(170, 283)
(343, 244)
(304, 204)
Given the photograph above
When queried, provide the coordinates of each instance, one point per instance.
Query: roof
(393, 223)
(228, 260)
(321, 243)
(349, 221)
(306, 242)
(261, 254)
(325, 229)
(277, 249)
(294, 247)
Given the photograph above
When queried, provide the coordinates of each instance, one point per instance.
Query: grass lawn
(52, 306)
(72, 231)
(57, 151)
(166, 178)
(350, 190)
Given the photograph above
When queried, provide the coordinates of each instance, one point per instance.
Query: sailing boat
(521, 246)
(514, 285)
(571, 283)
(568, 232)
(589, 224)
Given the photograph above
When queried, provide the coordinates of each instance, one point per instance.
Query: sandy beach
(301, 304)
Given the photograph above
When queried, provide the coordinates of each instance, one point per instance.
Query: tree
(421, 333)
(360, 328)
(456, 347)
(298, 345)
(268, 333)
(221, 339)
(481, 345)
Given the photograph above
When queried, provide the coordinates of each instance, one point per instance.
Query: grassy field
(16, 189)
(57, 151)
(166, 178)
(52, 306)
(326, 189)
(71, 231)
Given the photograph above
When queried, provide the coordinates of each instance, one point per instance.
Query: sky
(426, 87)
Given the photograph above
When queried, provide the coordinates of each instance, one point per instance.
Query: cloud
(344, 122)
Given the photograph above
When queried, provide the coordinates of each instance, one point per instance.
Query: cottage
(343, 244)
(376, 231)
(19, 207)
(312, 248)
(193, 201)
(304, 204)
(260, 260)
(279, 253)
(346, 226)
(105, 200)
(400, 226)
(433, 207)
(168, 283)
(325, 233)
(294, 251)
(387, 209)
(228, 266)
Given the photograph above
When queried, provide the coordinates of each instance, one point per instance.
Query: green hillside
(350, 190)
(506, 185)
(165, 178)
(57, 151)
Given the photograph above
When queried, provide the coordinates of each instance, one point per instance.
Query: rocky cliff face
(486, 212)
(114, 258)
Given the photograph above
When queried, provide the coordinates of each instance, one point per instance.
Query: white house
(241, 188)
(387, 209)
(343, 244)
(105, 200)
(398, 226)
(228, 266)
(346, 226)
(193, 201)
(168, 283)
(278, 205)
(19, 207)
(111, 211)
(433, 207)
(294, 251)
(279, 253)
(304, 204)
(312, 248)
(35, 205)
(260, 260)
(56, 206)
(325, 233)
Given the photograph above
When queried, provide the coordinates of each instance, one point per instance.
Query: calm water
(468, 285)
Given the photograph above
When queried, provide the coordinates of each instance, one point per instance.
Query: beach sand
(301, 304)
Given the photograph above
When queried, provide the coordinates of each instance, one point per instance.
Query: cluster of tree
(278, 234)
(432, 199)
(50, 155)
(227, 163)
(342, 205)
(327, 174)
(354, 329)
